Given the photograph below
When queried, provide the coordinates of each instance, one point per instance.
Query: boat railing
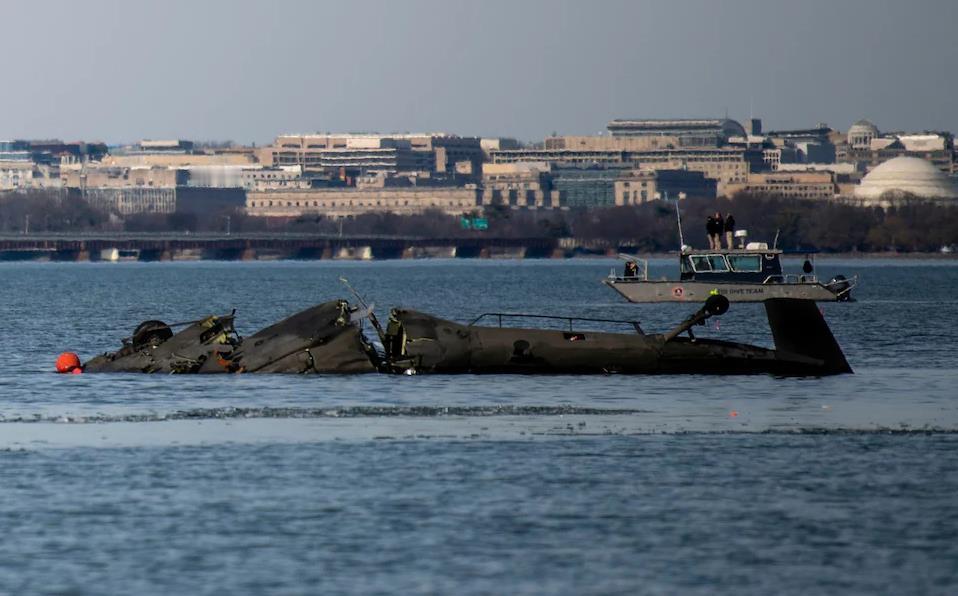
(500, 315)
(791, 278)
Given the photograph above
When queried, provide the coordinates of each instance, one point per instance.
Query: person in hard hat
(69, 363)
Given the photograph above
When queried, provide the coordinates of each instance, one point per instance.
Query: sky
(247, 70)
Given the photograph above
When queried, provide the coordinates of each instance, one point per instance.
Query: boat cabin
(731, 265)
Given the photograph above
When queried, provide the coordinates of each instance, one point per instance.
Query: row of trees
(799, 224)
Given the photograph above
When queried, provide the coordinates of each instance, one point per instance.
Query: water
(472, 484)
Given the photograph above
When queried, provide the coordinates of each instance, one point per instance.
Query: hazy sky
(248, 70)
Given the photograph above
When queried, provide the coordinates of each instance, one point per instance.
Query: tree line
(651, 227)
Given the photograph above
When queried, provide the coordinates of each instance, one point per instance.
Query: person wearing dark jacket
(719, 230)
(710, 230)
(729, 230)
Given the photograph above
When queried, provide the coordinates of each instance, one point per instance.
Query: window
(700, 263)
(718, 263)
(745, 262)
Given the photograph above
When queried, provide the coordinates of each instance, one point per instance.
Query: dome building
(861, 133)
(906, 176)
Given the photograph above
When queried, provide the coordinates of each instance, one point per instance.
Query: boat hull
(699, 291)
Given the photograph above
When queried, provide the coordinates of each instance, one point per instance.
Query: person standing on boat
(729, 230)
(710, 230)
(719, 230)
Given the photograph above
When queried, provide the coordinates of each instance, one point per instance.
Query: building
(793, 185)
(99, 176)
(630, 144)
(131, 200)
(349, 202)
(641, 186)
(488, 144)
(172, 159)
(584, 186)
(36, 165)
(244, 176)
(690, 132)
(866, 146)
(527, 184)
(727, 165)
(358, 154)
(861, 134)
(903, 178)
(25, 175)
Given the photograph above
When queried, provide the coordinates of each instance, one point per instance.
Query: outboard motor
(842, 287)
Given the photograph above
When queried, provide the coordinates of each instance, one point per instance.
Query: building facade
(818, 185)
(349, 202)
(641, 186)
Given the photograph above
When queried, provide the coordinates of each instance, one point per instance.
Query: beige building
(346, 202)
(177, 160)
(391, 153)
(793, 185)
(518, 185)
(98, 176)
(727, 165)
(610, 143)
(641, 186)
(27, 175)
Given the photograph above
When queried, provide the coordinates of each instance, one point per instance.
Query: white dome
(907, 175)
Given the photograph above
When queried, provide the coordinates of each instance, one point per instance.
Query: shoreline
(24, 257)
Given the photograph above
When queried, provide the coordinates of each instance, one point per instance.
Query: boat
(752, 273)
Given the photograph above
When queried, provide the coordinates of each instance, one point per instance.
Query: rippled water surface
(472, 484)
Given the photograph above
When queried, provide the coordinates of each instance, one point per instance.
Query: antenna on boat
(678, 216)
(775, 241)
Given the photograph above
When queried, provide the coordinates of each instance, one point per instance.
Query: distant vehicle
(750, 274)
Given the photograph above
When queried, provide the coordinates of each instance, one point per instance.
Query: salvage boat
(749, 274)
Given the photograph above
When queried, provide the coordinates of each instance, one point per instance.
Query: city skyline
(246, 72)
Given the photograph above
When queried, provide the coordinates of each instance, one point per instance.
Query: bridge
(253, 246)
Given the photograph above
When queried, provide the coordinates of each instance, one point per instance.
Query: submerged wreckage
(329, 338)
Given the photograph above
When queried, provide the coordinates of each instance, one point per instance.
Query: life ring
(678, 292)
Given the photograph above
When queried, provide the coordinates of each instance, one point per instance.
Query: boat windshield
(745, 262)
(700, 263)
(709, 263)
(718, 263)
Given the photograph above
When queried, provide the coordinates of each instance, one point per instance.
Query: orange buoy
(68, 362)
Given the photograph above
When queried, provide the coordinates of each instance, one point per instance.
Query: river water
(472, 484)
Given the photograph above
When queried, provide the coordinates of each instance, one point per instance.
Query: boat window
(745, 262)
(718, 263)
(700, 263)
